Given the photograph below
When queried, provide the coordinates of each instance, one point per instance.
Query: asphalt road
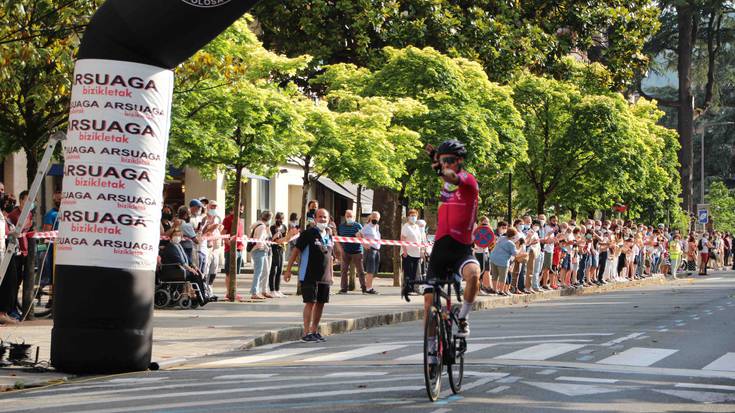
(657, 349)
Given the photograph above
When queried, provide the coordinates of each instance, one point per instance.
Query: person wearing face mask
(425, 251)
(21, 256)
(212, 229)
(260, 253)
(410, 255)
(371, 231)
(279, 236)
(311, 212)
(7, 288)
(351, 253)
(174, 254)
(314, 251)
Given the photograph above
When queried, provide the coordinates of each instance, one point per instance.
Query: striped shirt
(346, 230)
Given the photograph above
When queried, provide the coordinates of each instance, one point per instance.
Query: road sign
(703, 216)
(484, 236)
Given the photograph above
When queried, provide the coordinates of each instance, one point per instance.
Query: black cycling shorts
(448, 257)
(313, 292)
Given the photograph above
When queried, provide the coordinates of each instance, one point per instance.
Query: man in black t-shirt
(314, 249)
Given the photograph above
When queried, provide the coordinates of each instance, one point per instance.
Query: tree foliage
(506, 37)
(38, 40)
(722, 206)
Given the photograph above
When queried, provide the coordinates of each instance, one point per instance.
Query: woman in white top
(410, 255)
(260, 251)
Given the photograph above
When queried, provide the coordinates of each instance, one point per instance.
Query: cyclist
(452, 250)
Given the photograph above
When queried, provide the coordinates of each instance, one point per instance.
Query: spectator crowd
(529, 256)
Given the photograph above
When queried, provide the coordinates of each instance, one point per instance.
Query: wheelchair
(174, 288)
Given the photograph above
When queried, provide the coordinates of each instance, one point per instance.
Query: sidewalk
(219, 327)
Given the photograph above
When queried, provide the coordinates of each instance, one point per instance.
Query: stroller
(175, 286)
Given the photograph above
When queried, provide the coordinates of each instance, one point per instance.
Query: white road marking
(59, 401)
(705, 386)
(699, 396)
(443, 410)
(498, 389)
(573, 390)
(663, 330)
(353, 354)
(621, 339)
(357, 374)
(509, 380)
(469, 386)
(585, 358)
(541, 351)
(243, 376)
(638, 356)
(257, 358)
(137, 380)
(495, 376)
(546, 372)
(471, 347)
(656, 371)
(278, 397)
(587, 379)
(724, 363)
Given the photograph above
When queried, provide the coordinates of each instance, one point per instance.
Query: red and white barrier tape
(344, 240)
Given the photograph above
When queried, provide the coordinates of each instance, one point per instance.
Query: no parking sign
(484, 236)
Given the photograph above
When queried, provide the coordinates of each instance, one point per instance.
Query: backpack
(700, 245)
(251, 245)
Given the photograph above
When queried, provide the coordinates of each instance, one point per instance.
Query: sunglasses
(448, 160)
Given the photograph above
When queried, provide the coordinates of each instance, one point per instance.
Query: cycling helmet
(452, 147)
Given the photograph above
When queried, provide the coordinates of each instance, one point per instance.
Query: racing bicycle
(440, 327)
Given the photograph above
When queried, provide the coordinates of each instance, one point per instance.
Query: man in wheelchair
(176, 268)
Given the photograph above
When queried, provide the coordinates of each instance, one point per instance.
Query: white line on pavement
(243, 376)
(546, 372)
(621, 339)
(256, 358)
(357, 374)
(442, 410)
(587, 379)
(498, 389)
(137, 380)
(541, 352)
(638, 356)
(353, 354)
(724, 363)
(705, 386)
(76, 399)
(471, 347)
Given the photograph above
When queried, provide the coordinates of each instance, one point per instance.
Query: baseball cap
(196, 203)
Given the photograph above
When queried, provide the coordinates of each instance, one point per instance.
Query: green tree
(38, 40)
(228, 113)
(722, 206)
(506, 37)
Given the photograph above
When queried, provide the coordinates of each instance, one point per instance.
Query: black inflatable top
(161, 33)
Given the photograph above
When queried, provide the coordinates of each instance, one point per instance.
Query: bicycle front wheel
(455, 369)
(433, 353)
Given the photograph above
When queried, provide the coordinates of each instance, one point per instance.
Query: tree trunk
(385, 201)
(685, 120)
(32, 165)
(573, 213)
(305, 190)
(540, 202)
(358, 209)
(232, 273)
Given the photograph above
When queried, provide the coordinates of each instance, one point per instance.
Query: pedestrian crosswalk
(489, 352)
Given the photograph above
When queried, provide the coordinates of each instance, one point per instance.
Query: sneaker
(371, 291)
(342, 292)
(309, 338)
(319, 337)
(463, 329)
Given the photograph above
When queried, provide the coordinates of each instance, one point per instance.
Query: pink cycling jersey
(458, 209)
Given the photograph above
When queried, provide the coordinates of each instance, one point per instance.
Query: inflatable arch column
(114, 168)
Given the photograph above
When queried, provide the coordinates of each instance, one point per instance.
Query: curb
(379, 320)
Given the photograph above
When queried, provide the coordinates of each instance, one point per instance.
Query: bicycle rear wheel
(433, 353)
